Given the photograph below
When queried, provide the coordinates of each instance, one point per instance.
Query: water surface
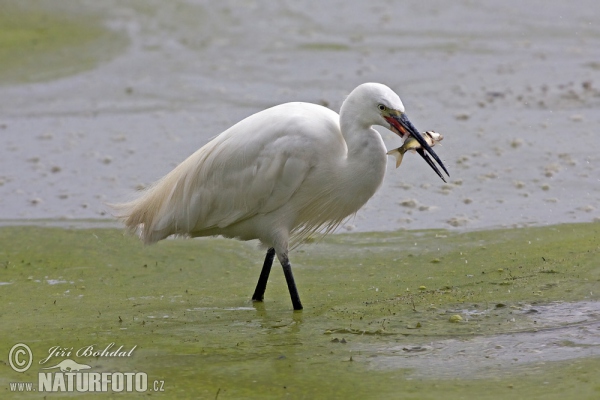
(512, 86)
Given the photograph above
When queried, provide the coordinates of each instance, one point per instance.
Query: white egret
(279, 176)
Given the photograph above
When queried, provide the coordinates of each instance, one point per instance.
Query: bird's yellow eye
(382, 107)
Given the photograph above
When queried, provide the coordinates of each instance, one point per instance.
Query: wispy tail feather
(151, 215)
(140, 215)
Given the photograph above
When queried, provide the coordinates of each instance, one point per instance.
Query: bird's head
(385, 108)
(399, 123)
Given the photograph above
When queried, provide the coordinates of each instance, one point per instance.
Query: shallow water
(111, 95)
(562, 331)
(512, 86)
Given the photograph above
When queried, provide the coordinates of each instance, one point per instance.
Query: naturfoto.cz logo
(71, 376)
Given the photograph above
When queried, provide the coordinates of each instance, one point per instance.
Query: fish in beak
(402, 126)
(411, 144)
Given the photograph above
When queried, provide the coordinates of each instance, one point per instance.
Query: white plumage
(279, 175)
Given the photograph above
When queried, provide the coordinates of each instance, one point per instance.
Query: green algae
(185, 305)
(41, 40)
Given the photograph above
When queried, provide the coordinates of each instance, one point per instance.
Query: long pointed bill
(405, 128)
(430, 162)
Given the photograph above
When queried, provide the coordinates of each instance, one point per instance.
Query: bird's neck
(366, 158)
(362, 140)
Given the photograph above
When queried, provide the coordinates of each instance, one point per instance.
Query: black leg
(289, 278)
(261, 286)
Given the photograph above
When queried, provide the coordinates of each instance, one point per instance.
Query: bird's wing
(252, 168)
(253, 181)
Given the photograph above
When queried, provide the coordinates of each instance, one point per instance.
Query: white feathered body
(279, 175)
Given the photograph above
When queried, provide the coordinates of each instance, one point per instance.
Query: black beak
(431, 163)
(405, 128)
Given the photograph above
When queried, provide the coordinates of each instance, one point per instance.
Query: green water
(46, 40)
(185, 305)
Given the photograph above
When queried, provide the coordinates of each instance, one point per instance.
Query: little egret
(279, 176)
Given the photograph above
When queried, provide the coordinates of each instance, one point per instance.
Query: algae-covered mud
(48, 40)
(419, 314)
